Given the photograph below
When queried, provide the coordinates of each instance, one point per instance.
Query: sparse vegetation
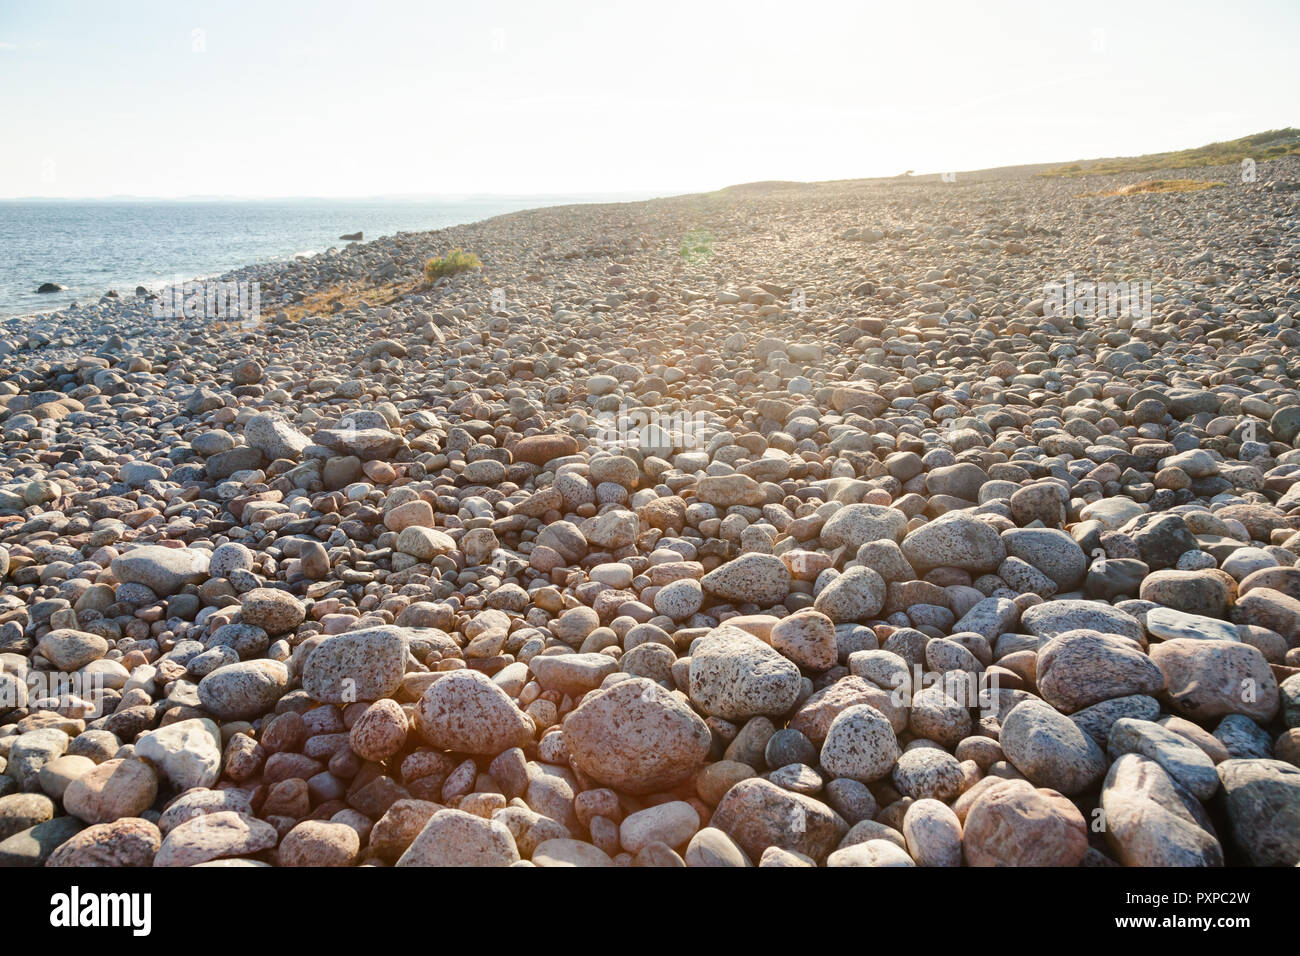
(1160, 186)
(346, 295)
(452, 263)
(697, 246)
(1259, 147)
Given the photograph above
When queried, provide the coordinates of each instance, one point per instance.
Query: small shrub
(450, 264)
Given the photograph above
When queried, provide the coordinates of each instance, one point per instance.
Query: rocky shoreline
(786, 525)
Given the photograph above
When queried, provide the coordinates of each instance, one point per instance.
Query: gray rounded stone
(356, 666)
(734, 675)
(1050, 749)
(244, 690)
(860, 744)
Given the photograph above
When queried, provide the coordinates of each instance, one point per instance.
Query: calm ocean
(92, 247)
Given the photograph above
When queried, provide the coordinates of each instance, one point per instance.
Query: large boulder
(856, 595)
(1051, 551)
(761, 579)
(1262, 798)
(359, 665)
(215, 836)
(128, 842)
(860, 744)
(457, 838)
(1015, 824)
(1053, 618)
(1205, 680)
(1152, 821)
(854, 525)
(735, 676)
(955, 540)
(758, 814)
(637, 737)
(164, 571)
(245, 690)
(115, 788)
(1081, 668)
(466, 712)
(1181, 758)
(1050, 749)
(187, 753)
(274, 437)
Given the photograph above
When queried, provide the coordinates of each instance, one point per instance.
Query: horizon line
(433, 197)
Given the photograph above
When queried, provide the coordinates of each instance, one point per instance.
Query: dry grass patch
(338, 298)
(345, 296)
(1160, 186)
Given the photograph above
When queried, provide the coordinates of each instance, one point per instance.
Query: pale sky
(376, 97)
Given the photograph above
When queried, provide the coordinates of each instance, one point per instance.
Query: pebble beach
(832, 524)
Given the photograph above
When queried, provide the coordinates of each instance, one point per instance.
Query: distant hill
(1259, 147)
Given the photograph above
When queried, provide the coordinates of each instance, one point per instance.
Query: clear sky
(374, 97)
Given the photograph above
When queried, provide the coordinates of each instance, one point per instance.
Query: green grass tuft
(697, 246)
(450, 264)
